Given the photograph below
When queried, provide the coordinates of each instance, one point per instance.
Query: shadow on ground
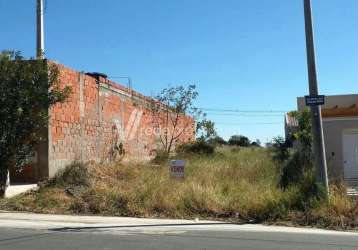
(79, 229)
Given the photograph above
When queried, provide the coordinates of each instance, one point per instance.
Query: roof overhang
(340, 112)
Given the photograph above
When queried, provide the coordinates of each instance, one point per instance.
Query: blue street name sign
(314, 100)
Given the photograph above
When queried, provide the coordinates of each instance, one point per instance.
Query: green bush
(307, 194)
(280, 148)
(239, 140)
(75, 174)
(197, 147)
(293, 170)
(217, 141)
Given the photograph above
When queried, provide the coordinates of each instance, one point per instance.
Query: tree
(304, 134)
(300, 164)
(205, 130)
(256, 143)
(239, 140)
(28, 88)
(170, 111)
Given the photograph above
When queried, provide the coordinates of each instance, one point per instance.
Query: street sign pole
(317, 130)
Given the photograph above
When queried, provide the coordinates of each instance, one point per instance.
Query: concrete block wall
(98, 115)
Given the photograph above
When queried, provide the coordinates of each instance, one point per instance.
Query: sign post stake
(317, 130)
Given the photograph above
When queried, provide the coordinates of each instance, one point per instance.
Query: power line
(245, 115)
(249, 123)
(243, 111)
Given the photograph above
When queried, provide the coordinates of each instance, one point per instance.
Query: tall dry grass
(233, 184)
(243, 183)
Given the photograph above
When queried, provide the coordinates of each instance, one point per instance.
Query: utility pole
(317, 130)
(40, 29)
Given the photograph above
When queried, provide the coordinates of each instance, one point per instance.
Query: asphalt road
(66, 233)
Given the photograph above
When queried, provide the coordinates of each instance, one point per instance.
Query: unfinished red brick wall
(98, 116)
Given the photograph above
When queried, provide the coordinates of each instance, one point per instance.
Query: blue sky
(241, 54)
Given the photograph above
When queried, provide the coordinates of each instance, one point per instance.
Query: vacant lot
(233, 184)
